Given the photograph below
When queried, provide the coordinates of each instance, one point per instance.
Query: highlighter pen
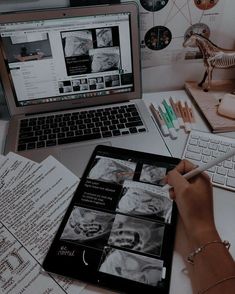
(185, 117)
(191, 114)
(175, 106)
(171, 113)
(160, 121)
(168, 121)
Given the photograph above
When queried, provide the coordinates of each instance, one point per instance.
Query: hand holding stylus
(204, 167)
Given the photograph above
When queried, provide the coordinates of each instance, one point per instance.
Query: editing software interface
(70, 58)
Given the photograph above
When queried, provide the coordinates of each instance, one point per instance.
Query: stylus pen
(203, 167)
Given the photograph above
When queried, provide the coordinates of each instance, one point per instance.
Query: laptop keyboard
(57, 129)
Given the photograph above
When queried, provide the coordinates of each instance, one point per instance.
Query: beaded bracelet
(191, 256)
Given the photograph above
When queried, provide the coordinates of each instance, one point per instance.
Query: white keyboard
(202, 147)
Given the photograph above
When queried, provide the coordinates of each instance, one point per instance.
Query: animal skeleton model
(213, 56)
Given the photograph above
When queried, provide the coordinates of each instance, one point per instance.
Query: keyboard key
(107, 134)
(104, 129)
(125, 132)
(231, 182)
(225, 143)
(31, 146)
(71, 134)
(95, 130)
(41, 144)
(193, 136)
(223, 148)
(194, 149)
(116, 133)
(221, 171)
(87, 131)
(213, 146)
(231, 173)
(206, 159)
(111, 128)
(217, 153)
(25, 129)
(203, 144)
(133, 124)
(51, 143)
(193, 156)
(193, 142)
(26, 135)
(206, 152)
(121, 126)
(62, 135)
(218, 179)
(77, 133)
(215, 141)
(206, 139)
(52, 136)
(228, 164)
(28, 140)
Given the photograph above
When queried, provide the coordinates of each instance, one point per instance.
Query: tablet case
(119, 229)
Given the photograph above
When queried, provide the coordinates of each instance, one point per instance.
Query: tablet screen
(119, 229)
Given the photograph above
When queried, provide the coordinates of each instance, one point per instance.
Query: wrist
(203, 236)
(202, 248)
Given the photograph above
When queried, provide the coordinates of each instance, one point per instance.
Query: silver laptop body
(70, 60)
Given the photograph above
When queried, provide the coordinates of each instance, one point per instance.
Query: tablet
(119, 229)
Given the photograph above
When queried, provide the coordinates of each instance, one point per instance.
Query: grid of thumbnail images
(122, 212)
(91, 51)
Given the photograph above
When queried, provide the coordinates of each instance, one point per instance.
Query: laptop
(72, 81)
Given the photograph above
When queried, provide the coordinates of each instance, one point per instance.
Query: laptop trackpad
(76, 158)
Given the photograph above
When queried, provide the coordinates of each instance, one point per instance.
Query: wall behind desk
(172, 77)
(164, 77)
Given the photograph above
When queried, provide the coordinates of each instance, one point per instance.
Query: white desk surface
(224, 204)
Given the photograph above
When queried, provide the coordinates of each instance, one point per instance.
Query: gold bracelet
(216, 284)
(191, 256)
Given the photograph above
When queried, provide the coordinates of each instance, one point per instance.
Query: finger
(176, 180)
(185, 166)
(164, 180)
(172, 194)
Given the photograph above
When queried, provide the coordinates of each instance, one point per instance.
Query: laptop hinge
(78, 108)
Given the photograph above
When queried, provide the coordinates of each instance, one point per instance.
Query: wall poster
(165, 24)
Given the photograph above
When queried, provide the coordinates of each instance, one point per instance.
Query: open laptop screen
(71, 58)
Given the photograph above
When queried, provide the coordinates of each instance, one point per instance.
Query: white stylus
(203, 167)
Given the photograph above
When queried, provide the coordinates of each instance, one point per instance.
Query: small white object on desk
(227, 106)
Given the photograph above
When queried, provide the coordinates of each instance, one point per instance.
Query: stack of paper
(33, 199)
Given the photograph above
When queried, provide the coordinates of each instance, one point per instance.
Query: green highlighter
(168, 122)
(171, 113)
